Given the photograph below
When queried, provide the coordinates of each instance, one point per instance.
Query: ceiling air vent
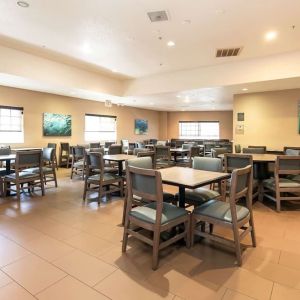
(228, 52)
(158, 16)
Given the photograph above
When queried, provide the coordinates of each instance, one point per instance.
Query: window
(11, 124)
(199, 130)
(100, 128)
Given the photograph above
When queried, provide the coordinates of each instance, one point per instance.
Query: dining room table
(176, 151)
(189, 178)
(119, 158)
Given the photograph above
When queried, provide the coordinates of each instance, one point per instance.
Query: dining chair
(49, 166)
(283, 186)
(96, 180)
(24, 160)
(108, 144)
(254, 150)
(126, 147)
(54, 146)
(215, 152)
(162, 156)
(161, 143)
(238, 161)
(228, 214)
(264, 147)
(114, 149)
(150, 154)
(95, 145)
(198, 196)
(291, 150)
(156, 216)
(78, 161)
(64, 154)
(4, 150)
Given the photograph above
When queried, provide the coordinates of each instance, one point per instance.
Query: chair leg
(187, 225)
(85, 190)
(42, 185)
(278, 204)
(72, 170)
(121, 185)
(237, 244)
(124, 209)
(211, 228)
(18, 191)
(192, 229)
(55, 178)
(125, 235)
(155, 250)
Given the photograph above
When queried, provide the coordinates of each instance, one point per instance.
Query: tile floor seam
(14, 281)
(53, 283)
(279, 257)
(226, 289)
(107, 276)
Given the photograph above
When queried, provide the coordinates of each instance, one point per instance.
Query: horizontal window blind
(199, 129)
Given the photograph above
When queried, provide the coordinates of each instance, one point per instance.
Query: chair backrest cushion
(254, 150)
(207, 164)
(141, 162)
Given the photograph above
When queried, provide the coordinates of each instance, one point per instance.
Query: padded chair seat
(167, 197)
(46, 170)
(283, 183)
(221, 211)
(79, 164)
(294, 177)
(147, 213)
(22, 175)
(106, 177)
(199, 195)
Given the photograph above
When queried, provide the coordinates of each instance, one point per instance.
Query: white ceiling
(117, 35)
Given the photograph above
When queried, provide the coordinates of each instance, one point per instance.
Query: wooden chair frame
(64, 154)
(165, 157)
(293, 191)
(157, 228)
(50, 163)
(98, 185)
(78, 153)
(235, 225)
(32, 181)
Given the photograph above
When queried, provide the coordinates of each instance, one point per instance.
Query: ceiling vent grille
(228, 52)
(158, 16)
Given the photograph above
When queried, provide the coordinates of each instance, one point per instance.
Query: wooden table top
(258, 157)
(190, 178)
(118, 157)
(7, 157)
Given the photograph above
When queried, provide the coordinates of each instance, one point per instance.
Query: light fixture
(244, 89)
(271, 35)
(186, 22)
(151, 103)
(23, 4)
(114, 70)
(178, 96)
(187, 99)
(170, 43)
(86, 48)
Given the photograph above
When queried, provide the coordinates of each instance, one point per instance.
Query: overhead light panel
(271, 35)
(171, 44)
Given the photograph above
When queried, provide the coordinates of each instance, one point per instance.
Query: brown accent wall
(271, 119)
(224, 117)
(35, 104)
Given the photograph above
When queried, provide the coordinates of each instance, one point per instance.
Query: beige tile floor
(54, 247)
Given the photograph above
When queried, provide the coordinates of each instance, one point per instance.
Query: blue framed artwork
(57, 125)
(140, 126)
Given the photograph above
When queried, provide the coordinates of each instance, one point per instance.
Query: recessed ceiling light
(151, 103)
(23, 4)
(244, 89)
(86, 48)
(178, 96)
(271, 35)
(187, 99)
(114, 70)
(171, 44)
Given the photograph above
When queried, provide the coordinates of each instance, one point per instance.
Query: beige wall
(271, 119)
(35, 104)
(224, 117)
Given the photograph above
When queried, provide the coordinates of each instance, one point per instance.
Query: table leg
(120, 168)
(7, 171)
(181, 196)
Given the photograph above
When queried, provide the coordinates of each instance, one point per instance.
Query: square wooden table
(190, 178)
(119, 158)
(176, 151)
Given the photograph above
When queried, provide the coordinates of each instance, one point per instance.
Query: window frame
(98, 132)
(16, 136)
(198, 130)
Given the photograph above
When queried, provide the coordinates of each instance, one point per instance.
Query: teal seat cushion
(22, 175)
(294, 177)
(46, 170)
(283, 183)
(147, 213)
(199, 196)
(220, 210)
(79, 164)
(106, 177)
